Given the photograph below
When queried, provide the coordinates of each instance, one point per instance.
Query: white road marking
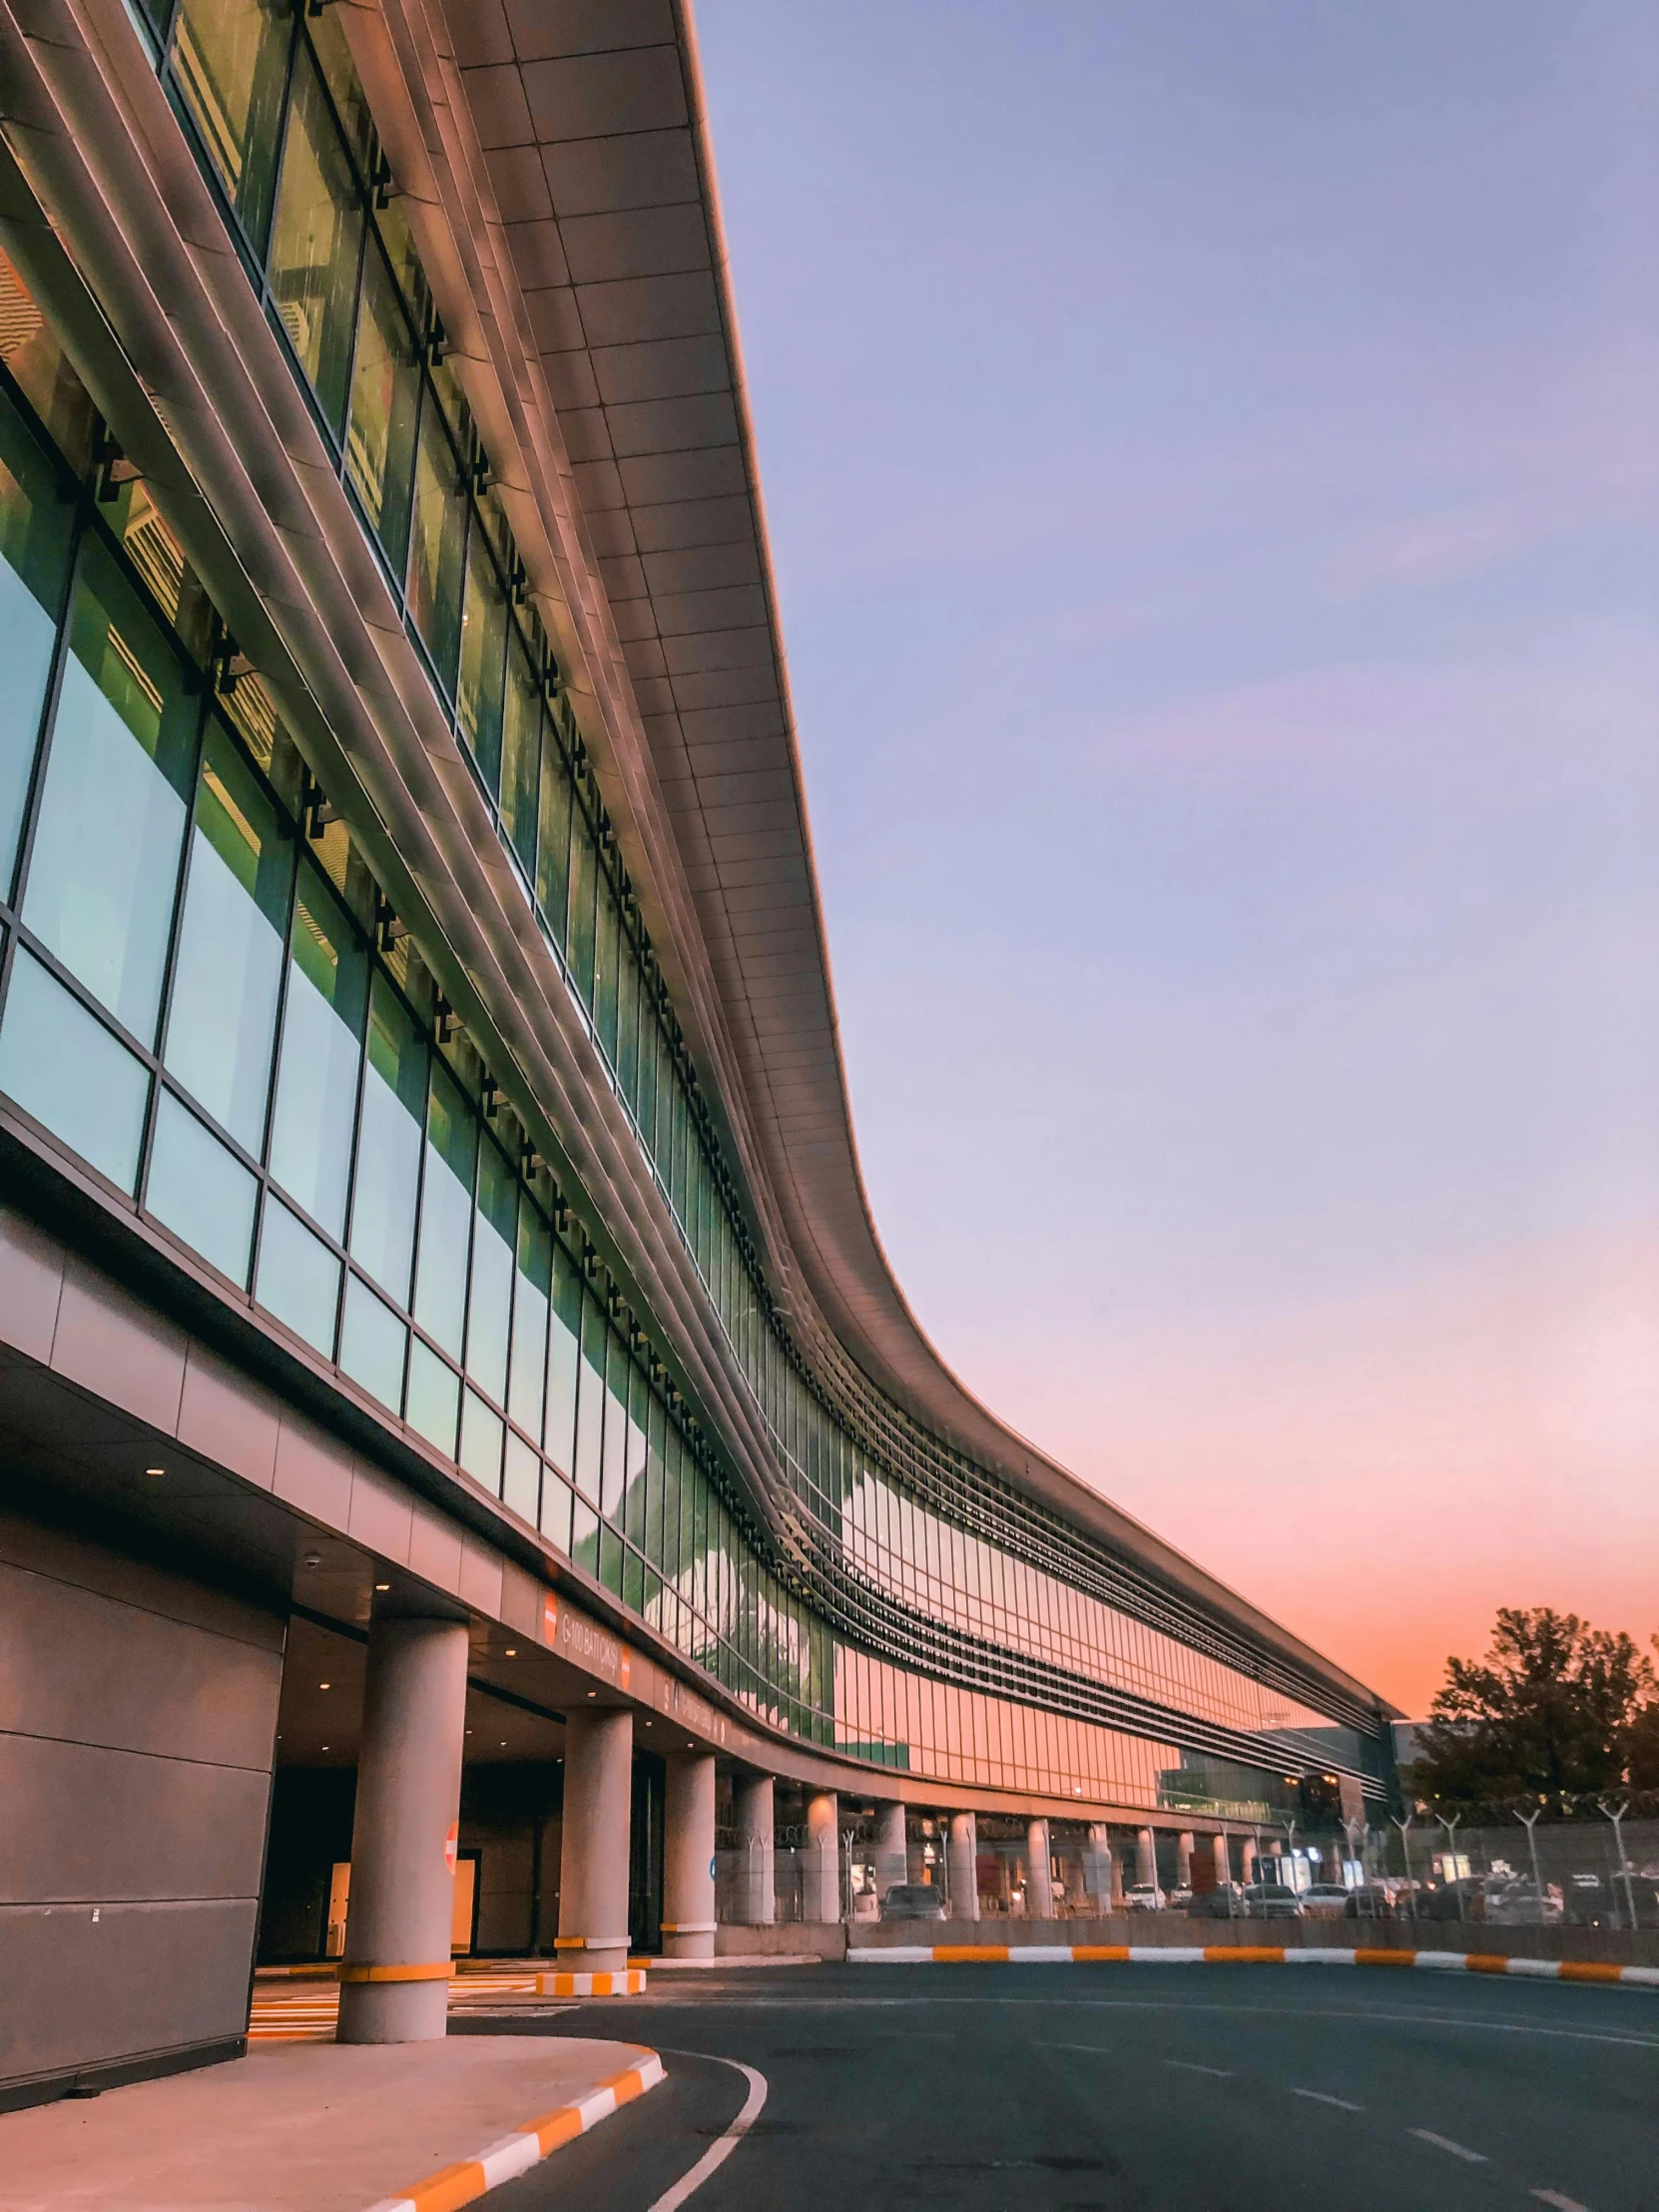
(1318, 2096)
(1185, 2065)
(1561, 2203)
(1444, 2142)
(718, 2151)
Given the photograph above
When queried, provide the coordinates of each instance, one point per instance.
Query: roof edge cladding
(594, 128)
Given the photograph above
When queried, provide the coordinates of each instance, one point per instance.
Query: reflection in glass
(492, 1273)
(385, 403)
(590, 1402)
(521, 758)
(230, 59)
(434, 1397)
(62, 1065)
(530, 1296)
(373, 1342)
(553, 843)
(521, 1482)
(388, 1147)
(34, 553)
(446, 1213)
(221, 1020)
(562, 1360)
(483, 661)
(481, 1433)
(315, 242)
(105, 850)
(298, 1278)
(201, 1191)
(317, 1083)
(438, 546)
(555, 1512)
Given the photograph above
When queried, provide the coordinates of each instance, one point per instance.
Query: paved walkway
(294, 2127)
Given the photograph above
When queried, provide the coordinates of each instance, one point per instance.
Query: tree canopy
(1556, 1711)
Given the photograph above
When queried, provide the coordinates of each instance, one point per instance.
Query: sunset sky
(1212, 461)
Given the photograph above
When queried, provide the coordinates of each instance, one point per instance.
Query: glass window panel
(222, 1015)
(372, 1344)
(491, 1300)
(315, 242)
(386, 405)
(614, 1471)
(483, 661)
(317, 1081)
(298, 1278)
(644, 1088)
(579, 936)
(481, 1434)
(229, 62)
(438, 548)
(105, 863)
(584, 1534)
(562, 1355)
(32, 350)
(446, 1212)
(555, 1511)
(521, 1481)
(604, 970)
(530, 1299)
(553, 840)
(521, 758)
(35, 523)
(63, 1066)
(627, 1019)
(201, 1191)
(635, 1496)
(590, 1403)
(434, 1397)
(609, 1558)
(388, 1144)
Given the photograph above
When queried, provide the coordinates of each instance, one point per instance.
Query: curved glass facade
(210, 1000)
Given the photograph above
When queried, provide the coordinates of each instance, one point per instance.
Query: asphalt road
(1077, 2089)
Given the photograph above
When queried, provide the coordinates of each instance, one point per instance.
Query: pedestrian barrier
(628, 1985)
(1246, 1955)
(527, 2146)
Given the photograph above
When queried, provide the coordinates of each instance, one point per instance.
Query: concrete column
(1097, 1865)
(394, 1979)
(1247, 1860)
(1116, 1898)
(593, 1855)
(892, 1855)
(1039, 1883)
(689, 1856)
(1184, 1861)
(964, 1848)
(1224, 1867)
(822, 1889)
(757, 1874)
(1146, 1858)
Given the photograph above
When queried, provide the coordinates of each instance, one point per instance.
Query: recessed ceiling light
(155, 1471)
(593, 1693)
(326, 1747)
(324, 1685)
(503, 1743)
(382, 1585)
(511, 1652)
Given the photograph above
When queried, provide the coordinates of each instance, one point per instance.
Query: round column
(689, 1856)
(964, 1848)
(395, 1978)
(821, 1898)
(892, 1851)
(1146, 1858)
(594, 1841)
(1184, 1861)
(1097, 1865)
(1039, 1879)
(1224, 1869)
(752, 1804)
(1116, 1900)
(1247, 1860)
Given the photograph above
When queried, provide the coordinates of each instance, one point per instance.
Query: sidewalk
(299, 2127)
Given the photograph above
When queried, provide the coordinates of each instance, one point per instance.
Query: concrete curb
(527, 2146)
(1247, 1954)
(628, 1985)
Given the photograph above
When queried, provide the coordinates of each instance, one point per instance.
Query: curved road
(1075, 2089)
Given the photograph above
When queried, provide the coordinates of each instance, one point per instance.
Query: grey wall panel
(140, 1978)
(138, 1711)
(77, 1664)
(80, 1821)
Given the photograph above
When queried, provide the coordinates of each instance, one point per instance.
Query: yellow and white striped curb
(630, 1983)
(308, 2015)
(527, 2146)
(1248, 1954)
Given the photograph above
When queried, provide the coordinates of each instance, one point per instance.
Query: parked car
(1223, 1902)
(913, 1900)
(1326, 1901)
(1145, 1896)
(1178, 1899)
(1271, 1901)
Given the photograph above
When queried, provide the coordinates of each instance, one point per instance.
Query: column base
(592, 1958)
(691, 1943)
(393, 2012)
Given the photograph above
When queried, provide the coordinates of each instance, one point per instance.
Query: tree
(1555, 1711)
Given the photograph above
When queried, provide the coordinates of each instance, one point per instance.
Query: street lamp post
(1451, 1827)
(1617, 1819)
(1404, 1827)
(1529, 1821)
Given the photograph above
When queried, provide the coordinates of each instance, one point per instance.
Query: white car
(1145, 1896)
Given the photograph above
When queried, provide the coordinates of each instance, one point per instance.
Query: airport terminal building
(437, 1294)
